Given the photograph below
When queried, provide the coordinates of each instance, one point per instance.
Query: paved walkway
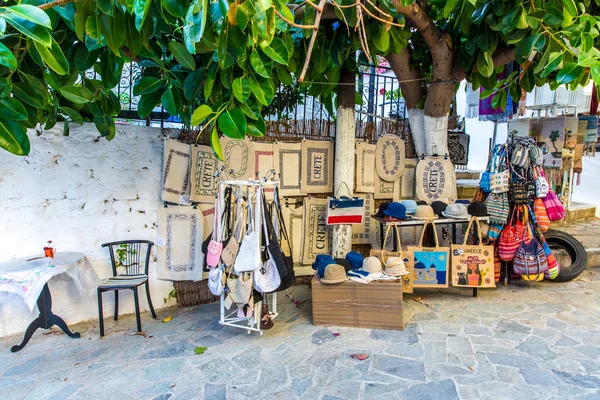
(518, 342)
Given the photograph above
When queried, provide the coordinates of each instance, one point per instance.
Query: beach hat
(382, 207)
(321, 261)
(344, 263)
(372, 265)
(422, 203)
(456, 211)
(394, 266)
(425, 212)
(463, 201)
(355, 259)
(438, 206)
(396, 210)
(334, 273)
(411, 206)
(478, 209)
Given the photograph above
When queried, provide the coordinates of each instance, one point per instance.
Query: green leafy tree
(218, 63)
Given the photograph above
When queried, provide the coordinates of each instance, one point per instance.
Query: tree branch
(421, 21)
(56, 3)
(411, 83)
(500, 57)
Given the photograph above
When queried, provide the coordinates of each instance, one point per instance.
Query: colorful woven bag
(541, 216)
(497, 265)
(554, 208)
(498, 207)
(530, 259)
(511, 237)
(553, 265)
(494, 232)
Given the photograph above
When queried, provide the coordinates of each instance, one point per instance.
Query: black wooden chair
(134, 257)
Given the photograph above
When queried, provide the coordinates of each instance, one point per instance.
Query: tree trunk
(344, 156)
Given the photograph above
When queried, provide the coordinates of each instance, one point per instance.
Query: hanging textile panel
(263, 164)
(365, 167)
(238, 158)
(591, 134)
(571, 125)
(458, 147)
(523, 127)
(204, 181)
(317, 166)
(435, 179)
(389, 157)
(550, 138)
(317, 238)
(578, 162)
(385, 189)
(405, 187)
(208, 215)
(180, 235)
(287, 159)
(363, 233)
(176, 173)
(295, 225)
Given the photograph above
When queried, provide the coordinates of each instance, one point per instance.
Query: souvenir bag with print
(248, 257)
(345, 209)
(500, 177)
(541, 184)
(473, 264)
(431, 264)
(383, 255)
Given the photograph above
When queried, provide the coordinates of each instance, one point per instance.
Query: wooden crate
(377, 305)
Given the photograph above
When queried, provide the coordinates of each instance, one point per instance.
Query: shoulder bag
(216, 277)
(530, 259)
(511, 237)
(215, 246)
(248, 256)
(285, 268)
(473, 264)
(430, 264)
(230, 249)
(345, 209)
(266, 278)
(283, 239)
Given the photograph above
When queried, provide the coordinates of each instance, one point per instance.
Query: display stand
(251, 324)
(420, 222)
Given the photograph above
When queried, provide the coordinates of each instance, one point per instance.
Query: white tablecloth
(27, 276)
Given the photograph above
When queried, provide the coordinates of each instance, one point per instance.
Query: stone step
(580, 211)
(468, 174)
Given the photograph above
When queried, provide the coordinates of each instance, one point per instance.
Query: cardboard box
(377, 305)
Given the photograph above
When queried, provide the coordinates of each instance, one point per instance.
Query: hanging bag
(284, 241)
(383, 255)
(230, 250)
(554, 207)
(541, 184)
(345, 209)
(284, 270)
(498, 207)
(215, 246)
(248, 257)
(473, 265)
(553, 265)
(430, 264)
(239, 288)
(521, 151)
(530, 259)
(266, 278)
(500, 178)
(511, 237)
(541, 216)
(216, 277)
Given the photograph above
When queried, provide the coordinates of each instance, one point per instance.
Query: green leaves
(262, 90)
(485, 64)
(28, 13)
(183, 57)
(525, 47)
(554, 60)
(147, 85)
(215, 143)
(13, 137)
(30, 29)
(11, 108)
(106, 126)
(277, 51)
(380, 37)
(148, 102)
(258, 65)
(568, 73)
(53, 57)
(201, 114)
(233, 123)
(140, 8)
(171, 101)
(7, 58)
(241, 89)
(77, 94)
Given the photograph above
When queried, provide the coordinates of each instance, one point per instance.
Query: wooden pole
(344, 155)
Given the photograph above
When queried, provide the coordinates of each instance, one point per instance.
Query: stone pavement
(588, 233)
(517, 342)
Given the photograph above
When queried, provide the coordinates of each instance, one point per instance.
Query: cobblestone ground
(515, 342)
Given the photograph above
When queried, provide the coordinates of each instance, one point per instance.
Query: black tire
(575, 250)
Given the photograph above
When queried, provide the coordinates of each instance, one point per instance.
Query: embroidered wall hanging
(458, 147)
(363, 233)
(208, 215)
(288, 166)
(389, 157)
(523, 127)
(295, 225)
(570, 141)
(550, 138)
(365, 167)
(180, 235)
(176, 173)
(316, 232)
(263, 163)
(204, 181)
(591, 134)
(385, 189)
(317, 166)
(405, 189)
(237, 157)
(578, 162)
(434, 176)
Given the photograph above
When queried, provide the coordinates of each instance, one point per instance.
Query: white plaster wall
(80, 192)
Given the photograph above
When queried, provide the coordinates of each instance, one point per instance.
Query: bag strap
(216, 233)
(282, 227)
(387, 232)
(429, 221)
(468, 231)
(337, 192)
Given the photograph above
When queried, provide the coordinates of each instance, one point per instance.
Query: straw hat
(425, 212)
(334, 273)
(456, 211)
(394, 266)
(372, 265)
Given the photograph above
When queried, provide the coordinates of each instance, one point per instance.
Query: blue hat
(356, 259)
(396, 210)
(321, 262)
(463, 201)
(411, 206)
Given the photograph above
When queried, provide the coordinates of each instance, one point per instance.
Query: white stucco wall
(80, 192)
